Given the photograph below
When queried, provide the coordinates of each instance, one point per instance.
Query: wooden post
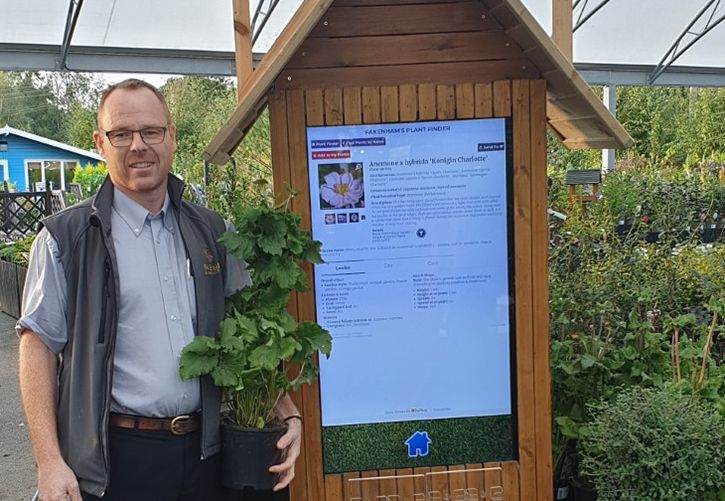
(561, 22)
(48, 199)
(5, 200)
(242, 42)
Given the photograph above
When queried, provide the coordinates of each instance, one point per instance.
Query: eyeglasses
(149, 135)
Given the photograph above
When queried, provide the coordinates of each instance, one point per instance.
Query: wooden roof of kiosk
(507, 39)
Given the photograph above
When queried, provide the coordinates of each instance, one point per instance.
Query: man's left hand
(290, 444)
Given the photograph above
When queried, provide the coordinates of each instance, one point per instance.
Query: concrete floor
(17, 480)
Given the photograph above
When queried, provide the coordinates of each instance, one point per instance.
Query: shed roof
(574, 112)
(44, 140)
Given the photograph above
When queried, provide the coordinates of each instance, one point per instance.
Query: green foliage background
(90, 178)
(17, 251)
(671, 126)
(616, 301)
(673, 450)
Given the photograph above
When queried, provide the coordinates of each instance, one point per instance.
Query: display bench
(415, 134)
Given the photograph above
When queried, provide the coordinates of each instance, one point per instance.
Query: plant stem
(676, 355)
(706, 351)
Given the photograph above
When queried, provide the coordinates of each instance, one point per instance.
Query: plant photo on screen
(341, 186)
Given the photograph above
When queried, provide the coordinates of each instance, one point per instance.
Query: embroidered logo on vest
(211, 265)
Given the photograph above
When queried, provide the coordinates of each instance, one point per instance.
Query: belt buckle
(179, 421)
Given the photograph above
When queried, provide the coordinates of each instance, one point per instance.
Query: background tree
(78, 126)
(200, 106)
(27, 106)
(673, 126)
(58, 106)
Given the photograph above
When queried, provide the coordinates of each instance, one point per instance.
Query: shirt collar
(135, 215)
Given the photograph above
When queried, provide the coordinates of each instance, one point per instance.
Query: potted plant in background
(261, 352)
(13, 268)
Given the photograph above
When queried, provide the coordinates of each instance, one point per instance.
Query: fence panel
(20, 213)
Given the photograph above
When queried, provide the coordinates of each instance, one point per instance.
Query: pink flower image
(341, 190)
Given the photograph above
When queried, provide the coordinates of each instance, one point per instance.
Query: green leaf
(308, 373)
(198, 357)
(287, 274)
(287, 347)
(716, 305)
(311, 253)
(272, 327)
(588, 361)
(318, 338)
(569, 428)
(265, 357)
(237, 244)
(247, 329)
(227, 331)
(272, 239)
(228, 372)
(295, 244)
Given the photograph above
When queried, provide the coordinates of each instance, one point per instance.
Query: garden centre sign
(416, 290)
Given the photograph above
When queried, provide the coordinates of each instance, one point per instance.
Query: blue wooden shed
(28, 160)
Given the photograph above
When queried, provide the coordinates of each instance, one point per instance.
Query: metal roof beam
(692, 36)
(74, 10)
(33, 57)
(638, 75)
(38, 57)
(263, 23)
(257, 11)
(582, 18)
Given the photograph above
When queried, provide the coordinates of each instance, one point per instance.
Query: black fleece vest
(83, 234)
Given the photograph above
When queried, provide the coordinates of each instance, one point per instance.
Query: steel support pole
(74, 10)
(610, 101)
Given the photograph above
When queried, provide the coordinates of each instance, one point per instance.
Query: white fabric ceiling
(623, 31)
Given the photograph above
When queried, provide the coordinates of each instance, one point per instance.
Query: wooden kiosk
(387, 61)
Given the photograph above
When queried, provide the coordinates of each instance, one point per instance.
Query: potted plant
(261, 352)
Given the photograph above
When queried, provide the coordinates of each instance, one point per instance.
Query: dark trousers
(159, 466)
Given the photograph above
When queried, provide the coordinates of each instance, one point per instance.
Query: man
(116, 288)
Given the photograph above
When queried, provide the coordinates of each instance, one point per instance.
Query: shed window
(57, 172)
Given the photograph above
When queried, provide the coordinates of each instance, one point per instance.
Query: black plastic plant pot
(582, 492)
(622, 229)
(652, 237)
(247, 454)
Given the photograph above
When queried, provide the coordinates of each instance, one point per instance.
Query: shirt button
(173, 318)
(136, 231)
(166, 278)
(186, 395)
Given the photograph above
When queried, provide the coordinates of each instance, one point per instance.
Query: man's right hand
(56, 482)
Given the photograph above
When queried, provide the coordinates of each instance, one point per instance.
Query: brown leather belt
(179, 425)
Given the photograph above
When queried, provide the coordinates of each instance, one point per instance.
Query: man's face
(138, 168)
